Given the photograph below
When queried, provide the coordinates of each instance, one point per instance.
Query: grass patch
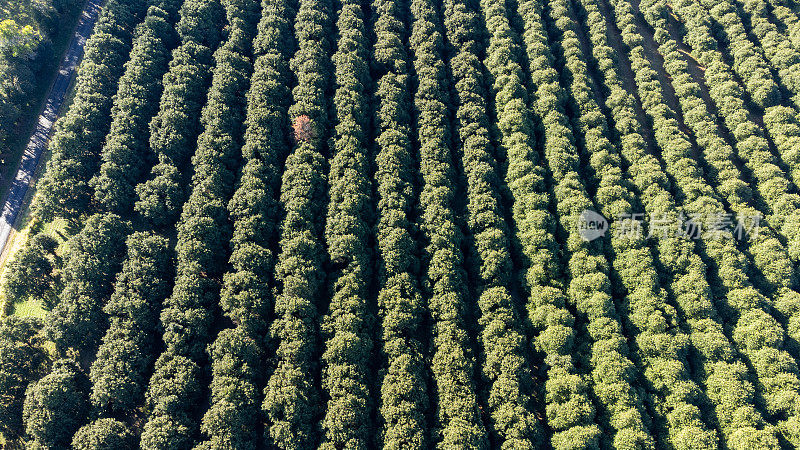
(30, 308)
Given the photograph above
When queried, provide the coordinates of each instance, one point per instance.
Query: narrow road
(44, 126)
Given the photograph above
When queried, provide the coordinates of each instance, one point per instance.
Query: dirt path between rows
(626, 73)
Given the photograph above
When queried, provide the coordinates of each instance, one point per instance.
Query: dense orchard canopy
(410, 224)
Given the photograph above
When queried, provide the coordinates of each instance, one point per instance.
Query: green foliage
(291, 395)
(403, 389)
(348, 325)
(15, 92)
(34, 272)
(203, 235)
(92, 259)
(458, 420)
(776, 47)
(661, 346)
(751, 145)
(589, 289)
(16, 40)
(253, 209)
(64, 191)
(103, 434)
(125, 154)
(27, 31)
(295, 234)
(236, 360)
(747, 59)
(786, 19)
(174, 389)
(734, 404)
(200, 22)
(776, 266)
(174, 129)
(22, 360)
(232, 420)
(55, 406)
(118, 373)
(503, 358)
(569, 411)
(746, 309)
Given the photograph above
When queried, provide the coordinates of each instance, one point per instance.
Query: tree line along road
(44, 126)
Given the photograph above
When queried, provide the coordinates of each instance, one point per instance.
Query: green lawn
(30, 308)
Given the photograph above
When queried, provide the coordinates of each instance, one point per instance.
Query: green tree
(174, 129)
(236, 359)
(746, 310)
(125, 154)
(589, 286)
(347, 327)
(203, 235)
(174, 389)
(16, 40)
(103, 434)
(503, 354)
(77, 142)
(92, 259)
(119, 371)
(458, 419)
(55, 405)
(403, 389)
(34, 272)
(570, 412)
(237, 355)
(291, 396)
(23, 360)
